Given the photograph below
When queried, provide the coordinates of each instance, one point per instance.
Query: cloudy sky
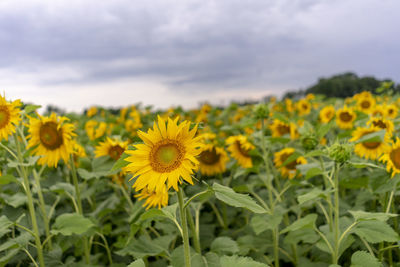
(77, 53)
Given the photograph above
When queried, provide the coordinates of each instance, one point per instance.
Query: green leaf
(166, 212)
(360, 165)
(224, 245)
(236, 261)
(15, 200)
(303, 223)
(263, 222)
(315, 153)
(230, 197)
(5, 223)
(364, 259)
(372, 137)
(29, 108)
(360, 215)
(121, 162)
(313, 172)
(376, 231)
(7, 178)
(71, 223)
(313, 194)
(137, 263)
(291, 158)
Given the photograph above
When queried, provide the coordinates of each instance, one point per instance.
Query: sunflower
(167, 155)
(289, 170)
(154, 198)
(91, 112)
(95, 129)
(289, 105)
(391, 111)
(345, 118)
(280, 128)
(212, 160)
(378, 111)
(369, 150)
(366, 103)
(51, 138)
(304, 107)
(239, 147)
(9, 117)
(392, 158)
(326, 114)
(383, 124)
(111, 147)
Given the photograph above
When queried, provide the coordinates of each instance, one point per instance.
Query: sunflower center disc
(345, 116)
(209, 157)
(365, 104)
(395, 157)
(166, 156)
(380, 124)
(4, 116)
(370, 145)
(242, 150)
(50, 136)
(115, 152)
(291, 165)
(283, 129)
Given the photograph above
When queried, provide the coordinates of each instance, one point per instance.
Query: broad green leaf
(230, 197)
(360, 215)
(7, 178)
(291, 158)
(29, 108)
(313, 194)
(364, 259)
(376, 231)
(137, 263)
(120, 163)
(236, 261)
(263, 222)
(5, 223)
(177, 259)
(71, 223)
(302, 235)
(144, 246)
(315, 153)
(372, 137)
(313, 172)
(15, 200)
(224, 245)
(303, 223)
(360, 165)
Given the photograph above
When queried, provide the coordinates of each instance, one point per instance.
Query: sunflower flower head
(392, 158)
(289, 169)
(239, 147)
(167, 156)
(111, 147)
(212, 160)
(154, 198)
(370, 149)
(345, 118)
(51, 138)
(9, 117)
(340, 152)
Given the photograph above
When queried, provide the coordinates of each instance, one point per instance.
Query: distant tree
(349, 84)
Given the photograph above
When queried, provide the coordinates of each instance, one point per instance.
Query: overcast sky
(77, 53)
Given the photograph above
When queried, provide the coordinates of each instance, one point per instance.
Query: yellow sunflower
(91, 112)
(392, 158)
(366, 103)
(51, 138)
(391, 111)
(111, 147)
(345, 118)
(280, 128)
(369, 150)
(167, 155)
(9, 117)
(326, 114)
(289, 170)
(304, 107)
(383, 124)
(95, 129)
(154, 198)
(212, 160)
(289, 105)
(239, 147)
(378, 111)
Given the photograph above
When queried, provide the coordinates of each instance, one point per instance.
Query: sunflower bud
(261, 111)
(340, 152)
(309, 141)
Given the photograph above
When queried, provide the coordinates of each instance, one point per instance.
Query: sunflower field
(308, 182)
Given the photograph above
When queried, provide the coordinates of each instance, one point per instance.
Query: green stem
(195, 234)
(127, 197)
(185, 233)
(336, 207)
(31, 207)
(42, 205)
(80, 210)
(276, 246)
